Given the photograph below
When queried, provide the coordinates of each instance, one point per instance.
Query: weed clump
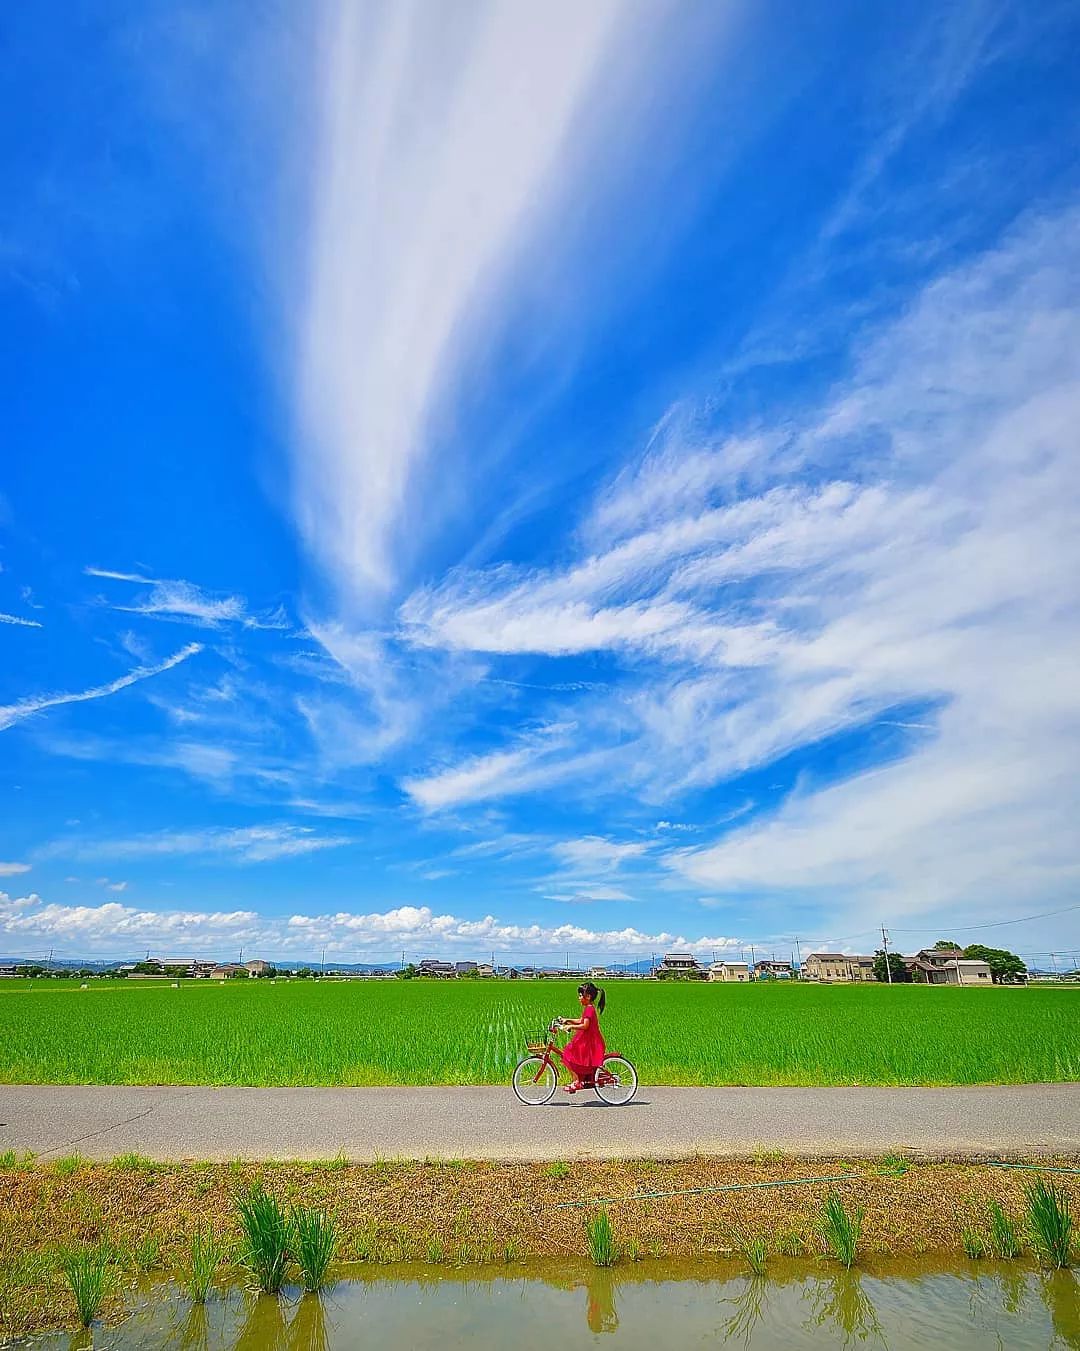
(1051, 1222)
(314, 1244)
(840, 1230)
(204, 1258)
(600, 1240)
(91, 1276)
(265, 1243)
(1004, 1241)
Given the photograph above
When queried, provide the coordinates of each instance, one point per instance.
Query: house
(598, 973)
(736, 971)
(826, 967)
(227, 970)
(485, 969)
(176, 966)
(680, 964)
(968, 971)
(929, 966)
(431, 966)
(770, 970)
(465, 968)
(8, 972)
(258, 967)
(861, 968)
(506, 972)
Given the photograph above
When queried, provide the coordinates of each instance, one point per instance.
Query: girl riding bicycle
(584, 1053)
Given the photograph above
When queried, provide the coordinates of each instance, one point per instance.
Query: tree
(1006, 968)
(148, 968)
(900, 974)
(946, 944)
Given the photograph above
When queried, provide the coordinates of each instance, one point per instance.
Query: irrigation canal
(648, 1304)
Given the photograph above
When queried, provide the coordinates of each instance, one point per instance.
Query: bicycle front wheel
(534, 1081)
(616, 1081)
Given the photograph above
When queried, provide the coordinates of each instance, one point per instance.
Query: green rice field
(470, 1032)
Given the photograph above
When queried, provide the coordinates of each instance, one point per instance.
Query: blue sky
(538, 479)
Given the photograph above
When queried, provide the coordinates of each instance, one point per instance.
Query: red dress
(584, 1052)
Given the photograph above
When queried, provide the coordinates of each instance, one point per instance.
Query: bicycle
(536, 1076)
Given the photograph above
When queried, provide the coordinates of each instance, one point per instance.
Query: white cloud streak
(13, 869)
(440, 145)
(27, 708)
(244, 844)
(20, 622)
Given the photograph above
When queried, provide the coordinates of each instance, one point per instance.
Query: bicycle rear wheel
(616, 1081)
(534, 1081)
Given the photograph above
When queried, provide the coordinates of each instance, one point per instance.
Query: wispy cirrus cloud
(19, 621)
(422, 232)
(184, 602)
(243, 844)
(910, 542)
(33, 704)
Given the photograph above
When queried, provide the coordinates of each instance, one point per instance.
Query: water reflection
(1061, 1293)
(308, 1330)
(749, 1310)
(841, 1301)
(638, 1307)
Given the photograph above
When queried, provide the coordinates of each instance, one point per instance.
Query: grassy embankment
(459, 1214)
(464, 1032)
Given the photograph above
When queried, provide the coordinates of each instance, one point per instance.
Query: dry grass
(395, 1211)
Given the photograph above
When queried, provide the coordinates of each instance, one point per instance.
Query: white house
(734, 971)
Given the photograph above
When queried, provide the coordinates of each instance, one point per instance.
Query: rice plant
(146, 1251)
(1051, 1223)
(442, 1032)
(600, 1240)
(974, 1242)
(790, 1243)
(265, 1242)
(204, 1258)
(90, 1274)
(1004, 1240)
(754, 1249)
(314, 1244)
(841, 1230)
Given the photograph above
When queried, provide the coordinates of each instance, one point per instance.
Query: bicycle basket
(537, 1041)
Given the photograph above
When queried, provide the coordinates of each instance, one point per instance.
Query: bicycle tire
(535, 1091)
(619, 1093)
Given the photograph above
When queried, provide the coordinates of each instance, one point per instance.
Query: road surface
(488, 1123)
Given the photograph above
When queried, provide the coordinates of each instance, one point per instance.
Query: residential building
(227, 970)
(826, 967)
(431, 966)
(465, 968)
(485, 969)
(598, 973)
(861, 968)
(733, 971)
(928, 966)
(683, 964)
(767, 969)
(258, 967)
(968, 971)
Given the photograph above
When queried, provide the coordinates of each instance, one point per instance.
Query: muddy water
(649, 1305)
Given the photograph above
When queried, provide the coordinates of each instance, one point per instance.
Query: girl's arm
(573, 1024)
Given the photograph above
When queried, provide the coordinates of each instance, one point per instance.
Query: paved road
(306, 1123)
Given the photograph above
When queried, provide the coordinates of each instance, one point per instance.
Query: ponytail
(597, 996)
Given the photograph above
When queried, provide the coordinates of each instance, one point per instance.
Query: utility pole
(885, 945)
(798, 953)
(322, 964)
(753, 957)
(48, 965)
